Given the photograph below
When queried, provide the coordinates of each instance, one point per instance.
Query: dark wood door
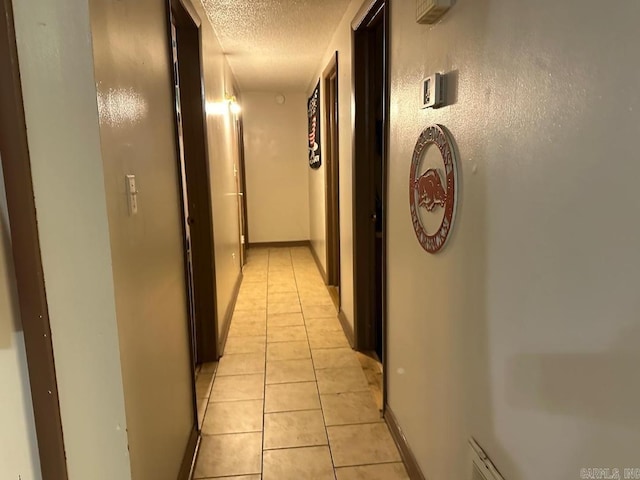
(369, 187)
(198, 218)
(242, 193)
(332, 180)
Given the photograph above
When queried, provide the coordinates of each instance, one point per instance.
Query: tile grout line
(264, 387)
(324, 420)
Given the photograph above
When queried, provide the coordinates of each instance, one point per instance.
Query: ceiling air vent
(483, 468)
(429, 11)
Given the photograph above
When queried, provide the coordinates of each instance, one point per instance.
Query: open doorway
(195, 186)
(332, 179)
(370, 54)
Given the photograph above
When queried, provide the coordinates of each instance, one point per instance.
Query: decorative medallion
(433, 188)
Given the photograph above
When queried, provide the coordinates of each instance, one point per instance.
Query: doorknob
(374, 217)
(190, 221)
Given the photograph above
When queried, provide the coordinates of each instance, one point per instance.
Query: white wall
(340, 42)
(523, 332)
(56, 62)
(18, 443)
(276, 161)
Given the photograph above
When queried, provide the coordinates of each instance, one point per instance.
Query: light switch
(432, 91)
(132, 194)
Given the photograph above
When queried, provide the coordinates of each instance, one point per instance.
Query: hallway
(290, 400)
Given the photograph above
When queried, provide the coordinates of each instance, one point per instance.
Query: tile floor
(290, 400)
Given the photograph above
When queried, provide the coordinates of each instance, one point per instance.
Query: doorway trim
(205, 314)
(242, 191)
(332, 177)
(25, 243)
(364, 251)
(203, 346)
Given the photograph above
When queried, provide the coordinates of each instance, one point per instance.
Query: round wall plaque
(433, 188)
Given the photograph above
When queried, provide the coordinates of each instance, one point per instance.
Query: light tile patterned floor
(290, 400)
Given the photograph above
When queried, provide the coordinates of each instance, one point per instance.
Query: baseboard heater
(483, 468)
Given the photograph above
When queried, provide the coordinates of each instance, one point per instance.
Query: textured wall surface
(276, 167)
(523, 332)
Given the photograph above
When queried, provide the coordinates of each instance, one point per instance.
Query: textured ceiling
(275, 45)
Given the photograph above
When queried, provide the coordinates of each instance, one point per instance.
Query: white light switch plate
(132, 194)
(432, 91)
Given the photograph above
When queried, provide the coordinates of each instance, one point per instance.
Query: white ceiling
(275, 45)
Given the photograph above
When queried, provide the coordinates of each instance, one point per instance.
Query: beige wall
(340, 42)
(134, 79)
(524, 331)
(133, 72)
(115, 283)
(19, 451)
(56, 61)
(223, 159)
(276, 166)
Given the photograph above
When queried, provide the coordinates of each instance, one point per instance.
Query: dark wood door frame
(32, 297)
(332, 172)
(193, 169)
(242, 187)
(199, 223)
(370, 14)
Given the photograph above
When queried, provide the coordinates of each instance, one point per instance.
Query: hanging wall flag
(313, 112)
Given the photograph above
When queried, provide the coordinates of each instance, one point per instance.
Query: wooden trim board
(228, 316)
(295, 243)
(346, 326)
(190, 455)
(318, 264)
(409, 459)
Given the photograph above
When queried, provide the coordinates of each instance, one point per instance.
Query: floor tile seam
(230, 433)
(208, 398)
(383, 422)
(397, 462)
(264, 378)
(285, 359)
(244, 400)
(244, 336)
(332, 368)
(209, 435)
(241, 374)
(324, 420)
(269, 449)
(284, 341)
(231, 401)
(296, 411)
(344, 391)
(356, 424)
(236, 354)
(297, 447)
